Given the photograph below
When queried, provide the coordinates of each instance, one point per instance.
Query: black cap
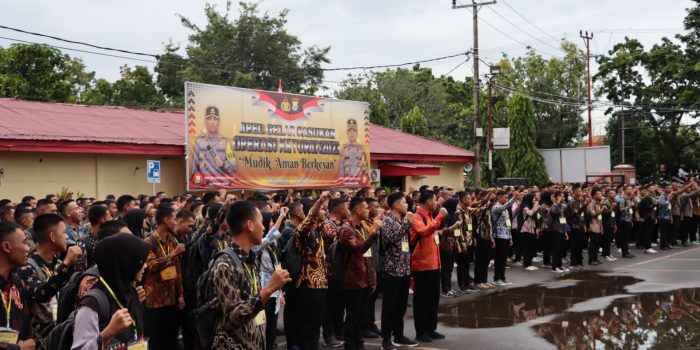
(352, 124)
(211, 111)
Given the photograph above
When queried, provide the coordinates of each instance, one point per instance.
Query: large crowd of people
(216, 270)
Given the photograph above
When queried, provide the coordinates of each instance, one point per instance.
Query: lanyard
(253, 277)
(48, 272)
(274, 255)
(7, 304)
(361, 233)
(221, 246)
(161, 246)
(111, 292)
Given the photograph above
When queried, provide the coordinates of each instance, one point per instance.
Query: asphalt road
(649, 301)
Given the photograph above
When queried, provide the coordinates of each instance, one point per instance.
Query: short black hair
(110, 228)
(334, 204)
(238, 213)
(461, 194)
(423, 188)
(24, 206)
(307, 203)
(396, 196)
(163, 213)
(62, 205)
(110, 197)
(43, 202)
(20, 212)
(4, 211)
(95, 213)
(208, 197)
(5, 202)
(425, 196)
(43, 224)
(355, 202)
(123, 200)
(6, 229)
(501, 193)
(295, 206)
(26, 199)
(184, 214)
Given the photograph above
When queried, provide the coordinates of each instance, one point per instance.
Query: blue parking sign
(153, 172)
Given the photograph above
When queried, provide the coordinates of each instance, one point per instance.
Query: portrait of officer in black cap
(353, 158)
(210, 156)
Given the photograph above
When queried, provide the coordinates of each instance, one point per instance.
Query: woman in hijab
(136, 222)
(529, 231)
(448, 245)
(121, 260)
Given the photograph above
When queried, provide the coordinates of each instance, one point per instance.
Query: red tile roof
(56, 123)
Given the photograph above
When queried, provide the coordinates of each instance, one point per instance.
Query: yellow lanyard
(222, 246)
(8, 305)
(111, 292)
(161, 246)
(361, 233)
(272, 251)
(252, 277)
(49, 273)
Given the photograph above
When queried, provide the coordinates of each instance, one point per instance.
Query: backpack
(291, 261)
(338, 259)
(207, 312)
(194, 268)
(61, 336)
(68, 295)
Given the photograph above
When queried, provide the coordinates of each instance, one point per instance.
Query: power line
(78, 50)
(527, 20)
(524, 31)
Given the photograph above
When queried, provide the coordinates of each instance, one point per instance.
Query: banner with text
(253, 139)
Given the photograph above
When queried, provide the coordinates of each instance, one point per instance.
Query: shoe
(610, 258)
(537, 259)
(650, 251)
(436, 336)
(388, 345)
(481, 286)
(665, 248)
(629, 256)
(696, 243)
(472, 288)
(498, 283)
(403, 341)
(594, 263)
(333, 342)
(490, 285)
(558, 270)
(686, 244)
(518, 263)
(373, 327)
(619, 250)
(370, 335)
(464, 291)
(424, 338)
(445, 295)
(506, 283)
(531, 268)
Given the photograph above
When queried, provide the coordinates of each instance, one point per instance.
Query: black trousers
(664, 232)
(354, 301)
(369, 317)
(687, 225)
(426, 299)
(517, 251)
(637, 233)
(189, 333)
(593, 246)
(578, 240)
(270, 325)
(302, 327)
(645, 233)
(606, 240)
(161, 327)
(556, 239)
(696, 227)
(483, 256)
(499, 269)
(447, 263)
(333, 319)
(546, 247)
(394, 305)
(623, 236)
(528, 244)
(464, 260)
(676, 230)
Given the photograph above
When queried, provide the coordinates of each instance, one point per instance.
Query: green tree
(136, 88)
(36, 72)
(415, 122)
(523, 159)
(100, 93)
(254, 50)
(170, 71)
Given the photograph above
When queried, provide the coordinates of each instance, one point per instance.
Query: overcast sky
(359, 32)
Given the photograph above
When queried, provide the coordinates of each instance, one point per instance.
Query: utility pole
(494, 70)
(622, 132)
(587, 39)
(477, 115)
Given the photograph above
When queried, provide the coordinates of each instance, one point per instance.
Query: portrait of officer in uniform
(210, 149)
(353, 159)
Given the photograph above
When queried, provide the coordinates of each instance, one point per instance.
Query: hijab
(134, 221)
(451, 206)
(119, 259)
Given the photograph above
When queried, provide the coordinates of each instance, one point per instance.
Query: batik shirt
(500, 219)
(329, 231)
(88, 244)
(309, 245)
(19, 312)
(396, 255)
(161, 293)
(43, 280)
(238, 292)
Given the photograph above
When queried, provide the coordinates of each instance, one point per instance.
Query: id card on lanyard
(7, 334)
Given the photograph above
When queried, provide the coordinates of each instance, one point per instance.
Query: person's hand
(443, 211)
(493, 244)
(27, 344)
(230, 198)
(283, 301)
(377, 225)
(278, 279)
(181, 302)
(142, 293)
(566, 236)
(72, 255)
(179, 250)
(218, 162)
(457, 224)
(284, 211)
(120, 322)
(510, 243)
(325, 195)
(409, 216)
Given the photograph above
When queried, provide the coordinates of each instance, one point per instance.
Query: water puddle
(522, 304)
